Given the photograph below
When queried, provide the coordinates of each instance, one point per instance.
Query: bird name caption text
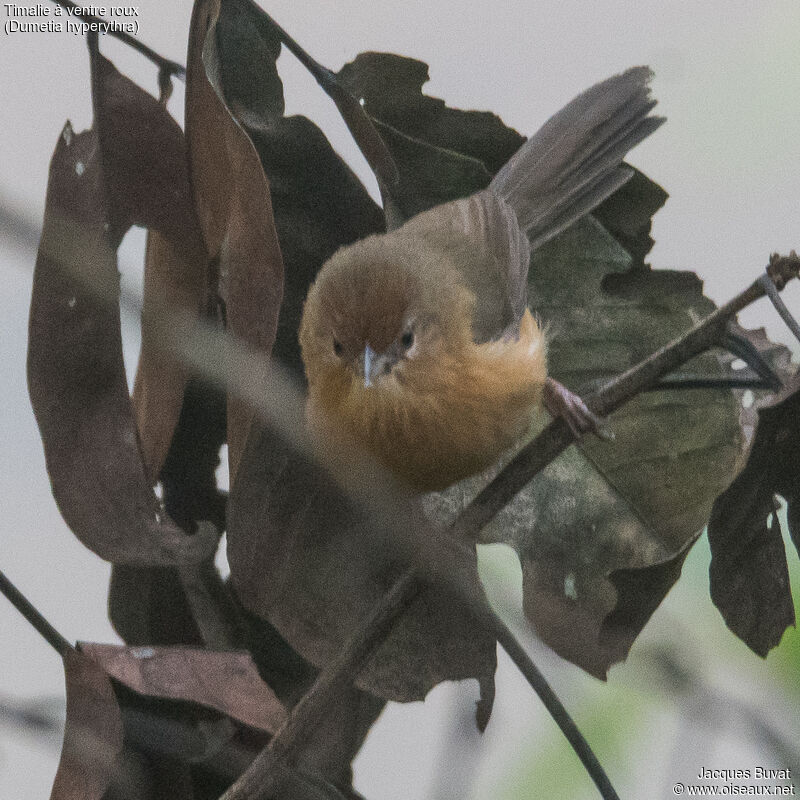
(78, 20)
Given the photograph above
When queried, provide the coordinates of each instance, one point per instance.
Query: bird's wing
(560, 174)
(481, 238)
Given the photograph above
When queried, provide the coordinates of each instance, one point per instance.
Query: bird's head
(379, 319)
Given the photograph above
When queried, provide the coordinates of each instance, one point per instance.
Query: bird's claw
(561, 402)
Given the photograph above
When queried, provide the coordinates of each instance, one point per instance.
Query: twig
(357, 120)
(556, 437)
(531, 460)
(692, 382)
(166, 67)
(772, 292)
(549, 698)
(737, 343)
(32, 614)
(260, 778)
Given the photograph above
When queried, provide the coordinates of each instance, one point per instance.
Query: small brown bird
(419, 342)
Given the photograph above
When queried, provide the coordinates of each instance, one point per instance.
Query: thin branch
(549, 698)
(166, 67)
(780, 306)
(261, 778)
(32, 614)
(356, 118)
(737, 343)
(692, 382)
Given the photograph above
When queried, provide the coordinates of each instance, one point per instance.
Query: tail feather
(574, 161)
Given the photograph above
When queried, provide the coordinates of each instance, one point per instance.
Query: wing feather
(481, 237)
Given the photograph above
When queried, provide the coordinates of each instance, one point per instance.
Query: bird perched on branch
(419, 342)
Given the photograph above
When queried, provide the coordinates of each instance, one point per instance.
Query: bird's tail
(575, 160)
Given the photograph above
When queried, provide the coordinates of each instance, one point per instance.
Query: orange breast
(449, 416)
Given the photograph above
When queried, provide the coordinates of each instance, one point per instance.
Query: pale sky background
(727, 78)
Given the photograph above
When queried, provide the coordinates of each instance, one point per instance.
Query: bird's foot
(561, 402)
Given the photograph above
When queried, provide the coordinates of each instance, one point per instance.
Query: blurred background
(728, 79)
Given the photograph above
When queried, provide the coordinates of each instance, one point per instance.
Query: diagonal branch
(359, 123)
(34, 616)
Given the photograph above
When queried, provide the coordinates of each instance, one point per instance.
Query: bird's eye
(337, 347)
(407, 339)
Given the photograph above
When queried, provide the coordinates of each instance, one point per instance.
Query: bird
(419, 344)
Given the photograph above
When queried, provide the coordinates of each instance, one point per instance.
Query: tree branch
(166, 67)
(556, 437)
(33, 615)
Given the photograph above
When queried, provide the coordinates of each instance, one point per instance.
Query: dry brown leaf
(748, 571)
(145, 171)
(234, 207)
(90, 756)
(138, 716)
(304, 559)
(76, 375)
(226, 681)
(171, 281)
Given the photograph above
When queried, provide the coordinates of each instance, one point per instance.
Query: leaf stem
(34, 616)
(356, 118)
(166, 67)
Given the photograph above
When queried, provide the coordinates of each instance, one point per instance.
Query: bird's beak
(370, 357)
(373, 364)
